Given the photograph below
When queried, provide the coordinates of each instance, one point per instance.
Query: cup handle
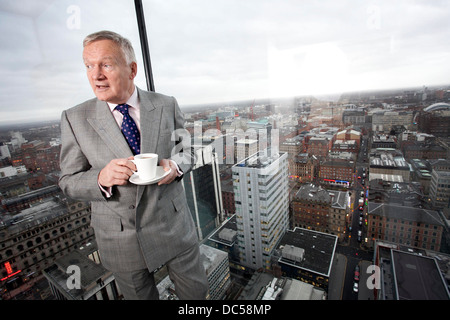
(135, 164)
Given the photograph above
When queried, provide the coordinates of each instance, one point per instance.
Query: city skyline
(245, 103)
(206, 53)
(326, 190)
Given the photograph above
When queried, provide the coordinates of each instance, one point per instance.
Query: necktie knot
(122, 108)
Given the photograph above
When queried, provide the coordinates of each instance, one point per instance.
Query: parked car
(356, 275)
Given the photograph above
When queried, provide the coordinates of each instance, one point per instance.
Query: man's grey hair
(123, 43)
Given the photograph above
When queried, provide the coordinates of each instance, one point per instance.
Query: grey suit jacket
(139, 226)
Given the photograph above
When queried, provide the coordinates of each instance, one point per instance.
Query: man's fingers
(124, 163)
(116, 172)
(165, 164)
(168, 165)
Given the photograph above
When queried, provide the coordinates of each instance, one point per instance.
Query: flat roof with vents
(309, 250)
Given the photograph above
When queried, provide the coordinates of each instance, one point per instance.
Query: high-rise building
(217, 269)
(203, 192)
(261, 196)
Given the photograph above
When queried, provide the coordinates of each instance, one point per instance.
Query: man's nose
(97, 73)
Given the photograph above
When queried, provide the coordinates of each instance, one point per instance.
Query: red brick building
(332, 170)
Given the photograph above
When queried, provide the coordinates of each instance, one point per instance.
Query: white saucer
(160, 174)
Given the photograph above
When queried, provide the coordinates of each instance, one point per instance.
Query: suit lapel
(150, 122)
(106, 127)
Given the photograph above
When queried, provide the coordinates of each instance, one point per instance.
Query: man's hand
(116, 172)
(168, 165)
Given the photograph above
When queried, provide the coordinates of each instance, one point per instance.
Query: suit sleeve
(184, 154)
(77, 180)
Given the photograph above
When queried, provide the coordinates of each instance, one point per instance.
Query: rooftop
(225, 234)
(437, 106)
(316, 248)
(93, 276)
(337, 199)
(211, 257)
(39, 213)
(394, 211)
(417, 277)
(261, 159)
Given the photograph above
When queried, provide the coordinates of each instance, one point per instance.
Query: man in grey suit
(138, 228)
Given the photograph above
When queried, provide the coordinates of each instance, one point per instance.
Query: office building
(261, 197)
(409, 226)
(33, 239)
(79, 275)
(410, 273)
(319, 146)
(203, 192)
(337, 173)
(385, 120)
(216, 265)
(264, 286)
(217, 269)
(322, 210)
(224, 238)
(440, 189)
(388, 162)
(307, 255)
(434, 120)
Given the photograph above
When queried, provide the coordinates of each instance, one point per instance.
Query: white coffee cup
(146, 164)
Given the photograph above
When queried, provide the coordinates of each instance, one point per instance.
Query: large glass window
(226, 50)
(41, 67)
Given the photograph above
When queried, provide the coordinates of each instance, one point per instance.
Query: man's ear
(133, 73)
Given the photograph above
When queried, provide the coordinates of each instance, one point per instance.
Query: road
(352, 249)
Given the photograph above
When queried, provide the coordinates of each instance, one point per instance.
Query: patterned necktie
(129, 129)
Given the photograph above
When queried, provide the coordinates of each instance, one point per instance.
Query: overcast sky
(207, 51)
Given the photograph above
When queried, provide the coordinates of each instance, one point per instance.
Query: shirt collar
(132, 101)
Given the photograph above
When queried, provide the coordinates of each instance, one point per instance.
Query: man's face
(108, 73)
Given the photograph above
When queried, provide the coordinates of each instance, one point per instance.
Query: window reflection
(41, 66)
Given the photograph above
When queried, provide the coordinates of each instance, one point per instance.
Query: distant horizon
(217, 104)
